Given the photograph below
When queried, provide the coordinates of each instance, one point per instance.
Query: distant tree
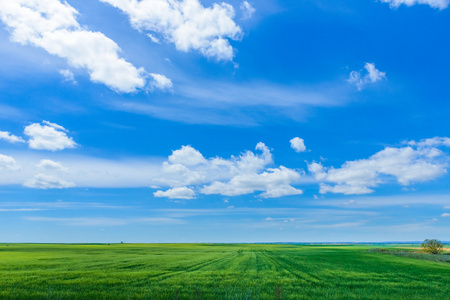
(432, 246)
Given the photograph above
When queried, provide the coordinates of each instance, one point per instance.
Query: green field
(215, 271)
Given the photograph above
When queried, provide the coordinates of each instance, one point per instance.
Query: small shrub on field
(445, 257)
(379, 250)
(432, 246)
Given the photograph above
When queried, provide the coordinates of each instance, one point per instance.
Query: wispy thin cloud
(58, 205)
(383, 201)
(105, 221)
(235, 103)
(274, 212)
(20, 209)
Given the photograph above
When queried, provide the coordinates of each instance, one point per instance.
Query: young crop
(216, 271)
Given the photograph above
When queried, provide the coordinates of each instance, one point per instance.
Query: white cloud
(298, 144)
(187, 166)
(52, 25)
(43, 181)
(445, 215)
(68, 76)
(283, 190)
(187, 156)
(48, 164)
(274, 182)
(176, 175)
(185, 173)
(7, 136)
(245, 174)
(105, 221)
(247, 9)
(176, 193)
(349, 202)
(20, 209)
(371, 75)
(344, 189)
(405, 200)
(81, 221)
(160, 82)
(247, 104)
(154, 38)
(8, 163)
(48, 137)
(440, 4)
(49, 176)
(84, 171)
(433, 142)
(54, 125)
(407, 165)
(186, 23)
(374, 74)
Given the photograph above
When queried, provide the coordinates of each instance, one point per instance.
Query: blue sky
(202, 121)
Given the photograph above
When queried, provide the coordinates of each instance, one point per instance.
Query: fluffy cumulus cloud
(80, 170)
(433, 142)
(48, 136)
(176, 193)
(184, 174)
(68, 76)
(52, 25)
(160, 82)
(247, 173)
(44, 181)
(187, 156)
(406, 165)
(298, 144)
(49, 176)
(366, 76)
(440, 4)
(274, 182)
(186, 23)
(8, 163)
(247, 9)
(11, 138)
(48, 164)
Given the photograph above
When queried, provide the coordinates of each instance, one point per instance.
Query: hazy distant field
(185, 271)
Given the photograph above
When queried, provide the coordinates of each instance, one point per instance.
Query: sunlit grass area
(215, 271)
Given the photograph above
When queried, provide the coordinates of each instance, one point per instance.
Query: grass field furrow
(188, 269)
(290, 267)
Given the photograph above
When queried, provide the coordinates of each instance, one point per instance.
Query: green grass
(202, 271)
